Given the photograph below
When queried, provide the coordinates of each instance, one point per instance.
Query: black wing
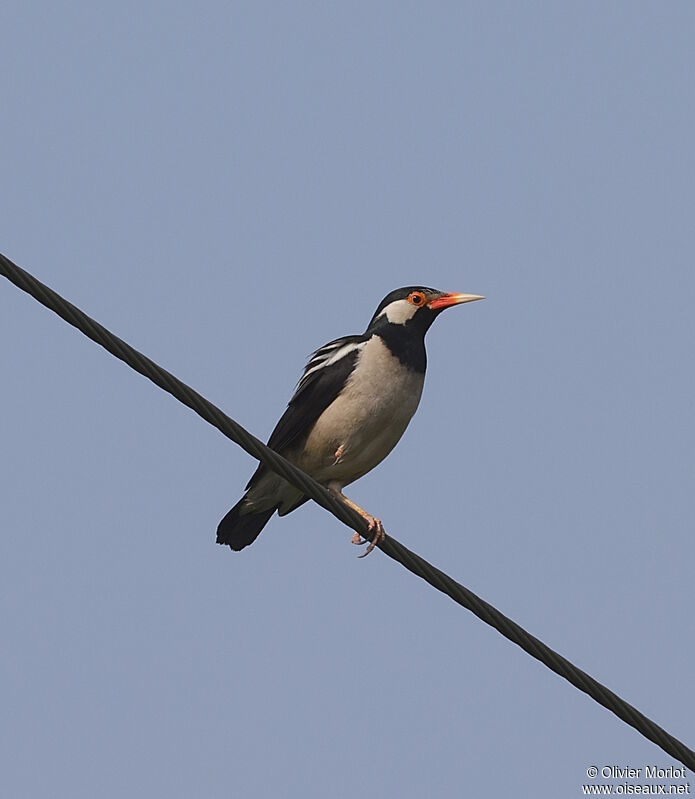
(323, 379)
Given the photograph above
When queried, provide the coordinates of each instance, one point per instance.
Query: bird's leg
(374, 525)
(339, 454)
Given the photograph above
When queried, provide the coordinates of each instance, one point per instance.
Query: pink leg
(375, 525)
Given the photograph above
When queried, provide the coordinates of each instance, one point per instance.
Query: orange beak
(447, 300)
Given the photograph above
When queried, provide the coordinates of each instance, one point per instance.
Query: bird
(350, 408)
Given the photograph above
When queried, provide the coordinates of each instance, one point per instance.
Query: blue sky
(227, 187)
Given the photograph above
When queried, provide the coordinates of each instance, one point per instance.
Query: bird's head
(416, 307)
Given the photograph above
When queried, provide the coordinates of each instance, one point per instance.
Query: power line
(394, 549)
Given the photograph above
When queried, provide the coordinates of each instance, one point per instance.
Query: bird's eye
(417, 298)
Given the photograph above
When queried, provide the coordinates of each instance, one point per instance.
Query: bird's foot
(373, 524)
(378, 537)
(339, 454)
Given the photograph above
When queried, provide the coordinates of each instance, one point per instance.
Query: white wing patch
(327, 355)
(399, 312)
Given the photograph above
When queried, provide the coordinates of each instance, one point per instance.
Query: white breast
(359, 429)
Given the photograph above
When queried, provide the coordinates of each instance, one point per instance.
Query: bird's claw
(378, 537)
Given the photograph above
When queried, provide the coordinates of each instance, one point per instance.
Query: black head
(415, 307)
(405, 315)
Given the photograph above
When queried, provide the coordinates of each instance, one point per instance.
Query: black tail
(238, 529)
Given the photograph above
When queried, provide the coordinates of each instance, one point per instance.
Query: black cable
(414, 563)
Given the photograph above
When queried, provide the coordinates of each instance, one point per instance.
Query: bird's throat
(406, 345)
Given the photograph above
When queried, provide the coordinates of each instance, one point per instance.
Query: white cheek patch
(399, 312)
